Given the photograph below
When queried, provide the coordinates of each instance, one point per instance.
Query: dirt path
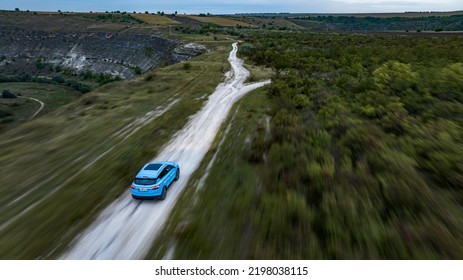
(36, 100)
(126, 229)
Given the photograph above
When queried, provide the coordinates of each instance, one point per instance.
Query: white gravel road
(126, 229)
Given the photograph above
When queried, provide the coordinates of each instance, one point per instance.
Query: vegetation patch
(363, 161)
(373, 22)
(221, 21)
(156, 19)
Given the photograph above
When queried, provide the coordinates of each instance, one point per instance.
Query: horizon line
(240, 13)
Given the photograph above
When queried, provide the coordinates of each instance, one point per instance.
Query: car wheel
(163, 194)
(177, 175)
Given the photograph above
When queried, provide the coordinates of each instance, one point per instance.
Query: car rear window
(153, 166)
(140, 181)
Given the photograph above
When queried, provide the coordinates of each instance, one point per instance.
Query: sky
(235, 6)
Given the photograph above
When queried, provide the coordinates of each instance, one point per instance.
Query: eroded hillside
(27, 46)
(118, 54)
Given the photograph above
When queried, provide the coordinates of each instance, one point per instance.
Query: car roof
(152, 169)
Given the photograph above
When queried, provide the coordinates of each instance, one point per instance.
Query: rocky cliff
(119, 54)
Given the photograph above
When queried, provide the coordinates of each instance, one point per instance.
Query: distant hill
(428, 23)
(423, 21)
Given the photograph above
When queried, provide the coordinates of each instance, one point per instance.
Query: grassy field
(59, 163)
(222, 21)
(68, 22)
(258, 73)
(54, 96)
(157, 20)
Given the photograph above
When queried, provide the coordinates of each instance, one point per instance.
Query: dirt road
(36, 100)
(126, 229)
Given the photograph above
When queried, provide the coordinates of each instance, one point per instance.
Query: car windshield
(140, 181)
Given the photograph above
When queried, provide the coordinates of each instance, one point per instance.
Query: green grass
(105, 27)
(258, 73)
(156, 19)
(223, 204)
(70, 164)
(54, 96)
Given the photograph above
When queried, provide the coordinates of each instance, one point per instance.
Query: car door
(162, 176)
(170, 174)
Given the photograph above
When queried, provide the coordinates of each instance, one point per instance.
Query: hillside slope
(68, 165)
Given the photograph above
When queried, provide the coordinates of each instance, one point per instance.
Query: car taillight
(133, 187)
(155, 187)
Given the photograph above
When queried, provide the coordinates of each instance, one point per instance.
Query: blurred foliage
(369, 146)
(364, 159)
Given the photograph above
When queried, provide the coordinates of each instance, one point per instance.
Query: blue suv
(154, 178)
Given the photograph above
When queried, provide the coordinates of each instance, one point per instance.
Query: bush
(58, 79)
(186, 66)
(149, 52)
(136, 70)
(8, 94)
